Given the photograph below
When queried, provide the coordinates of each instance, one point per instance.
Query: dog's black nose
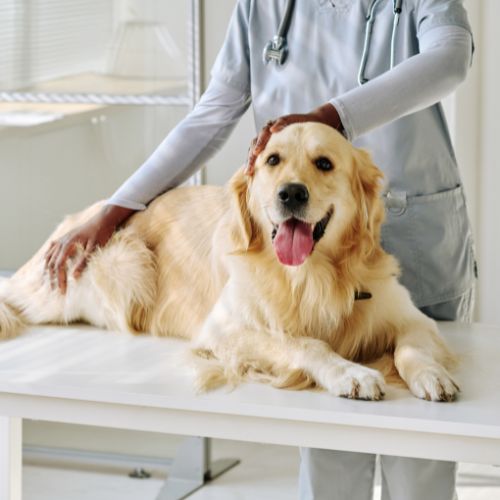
(293, 195)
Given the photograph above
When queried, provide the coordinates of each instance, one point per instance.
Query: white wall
(475, 109)
(488, 180)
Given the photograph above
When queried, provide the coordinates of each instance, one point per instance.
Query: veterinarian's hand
(326, 114)
(94, 233)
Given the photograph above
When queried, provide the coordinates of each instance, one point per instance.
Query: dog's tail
(11, 318)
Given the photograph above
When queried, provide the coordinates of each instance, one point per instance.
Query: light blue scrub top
(427, 226)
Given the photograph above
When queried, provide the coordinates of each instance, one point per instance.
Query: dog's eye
(273, 160)
(323, 163)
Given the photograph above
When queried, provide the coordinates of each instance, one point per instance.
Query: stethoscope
(277, 49)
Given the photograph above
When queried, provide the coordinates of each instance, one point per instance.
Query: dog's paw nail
(359, 382)
(434, 384)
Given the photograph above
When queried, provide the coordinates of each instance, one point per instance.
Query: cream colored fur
(199, 264)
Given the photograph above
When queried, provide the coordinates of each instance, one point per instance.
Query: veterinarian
(378, 81)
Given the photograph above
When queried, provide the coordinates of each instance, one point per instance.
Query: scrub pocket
(431, 237)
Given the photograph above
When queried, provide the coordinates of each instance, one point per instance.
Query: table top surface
(81, 363)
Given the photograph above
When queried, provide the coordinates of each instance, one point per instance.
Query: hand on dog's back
(94, 233)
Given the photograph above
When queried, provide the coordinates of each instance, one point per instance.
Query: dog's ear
(244, 231)
(368, 185)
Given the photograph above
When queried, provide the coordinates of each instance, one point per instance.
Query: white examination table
(78, 374)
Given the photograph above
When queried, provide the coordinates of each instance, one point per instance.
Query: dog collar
(362, 295)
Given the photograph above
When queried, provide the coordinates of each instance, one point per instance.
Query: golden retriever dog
(278, 277)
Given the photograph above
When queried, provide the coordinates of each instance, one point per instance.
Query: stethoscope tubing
(287, 19)
(395, 23)
(276, 50)
(370, 21)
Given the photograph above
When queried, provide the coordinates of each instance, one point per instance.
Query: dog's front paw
(358, 382)
(433, 383)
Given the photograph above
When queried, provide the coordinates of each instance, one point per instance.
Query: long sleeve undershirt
(412, 85)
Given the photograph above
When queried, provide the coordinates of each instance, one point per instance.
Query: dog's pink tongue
(293, 242)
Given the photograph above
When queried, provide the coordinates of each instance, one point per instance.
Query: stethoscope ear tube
(370, 20)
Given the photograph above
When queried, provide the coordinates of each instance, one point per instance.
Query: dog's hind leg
(123, 277)
(117, 290)
(11, 319)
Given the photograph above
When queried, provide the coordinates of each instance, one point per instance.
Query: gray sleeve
(414, 84)
(191, 143)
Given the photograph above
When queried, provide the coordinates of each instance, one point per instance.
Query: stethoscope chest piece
(275, 50)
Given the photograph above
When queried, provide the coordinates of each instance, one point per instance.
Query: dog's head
(310, 191)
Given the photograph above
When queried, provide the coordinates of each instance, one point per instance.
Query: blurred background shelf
(96, 88)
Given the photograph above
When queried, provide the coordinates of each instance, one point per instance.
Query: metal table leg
(192, 469)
